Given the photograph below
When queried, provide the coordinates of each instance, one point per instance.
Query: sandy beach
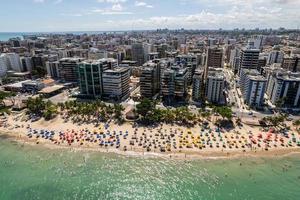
(165, 140)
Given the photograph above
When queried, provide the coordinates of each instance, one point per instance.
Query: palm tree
(118, 109)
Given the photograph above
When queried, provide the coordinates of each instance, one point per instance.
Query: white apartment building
(14, 62)
(215, 84)
(116, 83)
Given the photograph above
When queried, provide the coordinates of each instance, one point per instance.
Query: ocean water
(5, 36)
(33, 172)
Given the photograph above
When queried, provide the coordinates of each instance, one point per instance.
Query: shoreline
(176, 155)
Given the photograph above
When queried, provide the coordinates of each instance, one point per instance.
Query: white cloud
(116, 9)
(112, 1)
(142, 4)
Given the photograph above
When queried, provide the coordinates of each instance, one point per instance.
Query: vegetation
(150, 114)
(296, 123)
(96, 110)
(224, 111)
(275, 121)
(40, 108)
(3, 96)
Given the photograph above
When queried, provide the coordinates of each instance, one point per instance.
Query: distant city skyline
(119, 15)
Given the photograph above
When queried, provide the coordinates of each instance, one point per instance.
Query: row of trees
(93, 110)
(277, 121)
(41, 108)
(150, 114)
(81, 110)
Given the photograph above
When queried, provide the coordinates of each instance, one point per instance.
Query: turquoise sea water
(33, 172)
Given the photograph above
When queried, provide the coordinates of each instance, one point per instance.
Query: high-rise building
(150, 79)
(116, 84)
(275, 57)
(214, 57)
(285, 87)
(235, 60)
(147, 50)
(174, 83)
(14, 62)
(53, 69)
(26, 63)
(189, 61)
(68, 70)
(291, 63)
(198, 95)
(253, 87)
(215, 84)
(138, 54)
(3, 65)
(90, 77)
(249, 59)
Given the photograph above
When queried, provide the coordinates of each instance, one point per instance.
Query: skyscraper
(116, 84)
(253, 87)
(68, 70)
(3, 65)
(215, 84)
(14, 62)
(197, 86)
(284, 86)
(214, 57)
(90, 77)
(249, 59)
(138, 54)
(150, 79)
(174, 83)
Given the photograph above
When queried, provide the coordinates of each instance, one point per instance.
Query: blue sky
(102, 15)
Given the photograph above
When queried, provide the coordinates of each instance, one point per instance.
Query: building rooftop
(51, 89)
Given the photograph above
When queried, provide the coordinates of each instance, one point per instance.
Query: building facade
(116, 84)
(150, 80)
(285, 87)
(249, 59)
(197, 94)
(90, 77)
(253, 87)
(68, 70)
(215, 84)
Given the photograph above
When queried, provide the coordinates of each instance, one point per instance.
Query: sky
(114, 15)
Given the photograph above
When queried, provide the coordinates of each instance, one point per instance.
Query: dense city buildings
(186, 66)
